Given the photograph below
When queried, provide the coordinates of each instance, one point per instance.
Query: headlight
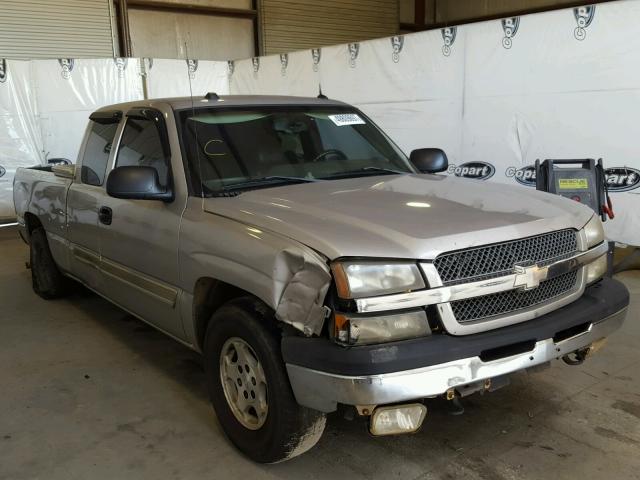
(366, 279)
(594, 232)
(358, 330)
(596, 269)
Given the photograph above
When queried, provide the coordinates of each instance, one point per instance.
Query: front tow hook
(580, 355)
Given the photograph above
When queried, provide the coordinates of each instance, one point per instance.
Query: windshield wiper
(271, 180)
(374, 170)
(380, 169)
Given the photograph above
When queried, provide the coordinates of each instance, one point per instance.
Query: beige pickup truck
(315, 266)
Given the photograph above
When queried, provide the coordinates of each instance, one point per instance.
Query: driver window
(141, 145)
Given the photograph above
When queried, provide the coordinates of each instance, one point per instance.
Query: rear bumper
(323, 375)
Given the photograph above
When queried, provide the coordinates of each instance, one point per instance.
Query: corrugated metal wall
(55, 29)
(460, 10)
(298, 24)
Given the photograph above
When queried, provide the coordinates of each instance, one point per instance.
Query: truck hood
(400, 216)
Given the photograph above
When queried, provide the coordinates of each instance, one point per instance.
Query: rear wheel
(249, 387)
(46, 278)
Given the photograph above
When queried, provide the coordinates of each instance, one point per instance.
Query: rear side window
(141, 145)
(96, 153)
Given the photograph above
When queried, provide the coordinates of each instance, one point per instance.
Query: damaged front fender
(289, 277)
(301, 279)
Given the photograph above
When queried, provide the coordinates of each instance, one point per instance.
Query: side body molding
(143, 283)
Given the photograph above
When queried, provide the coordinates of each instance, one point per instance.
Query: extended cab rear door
(85, 196)
(139, 238)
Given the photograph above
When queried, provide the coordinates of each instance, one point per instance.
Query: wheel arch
(209, 294)
(31, 222)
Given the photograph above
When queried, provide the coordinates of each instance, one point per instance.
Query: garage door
(163, 34)
(298, 24)
(55, 29)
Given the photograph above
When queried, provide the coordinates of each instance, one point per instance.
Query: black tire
(46, 278)
(289, 429)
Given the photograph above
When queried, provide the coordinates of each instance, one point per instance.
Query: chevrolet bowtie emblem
(529, 277)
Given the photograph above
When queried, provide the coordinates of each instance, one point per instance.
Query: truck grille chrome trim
(484, 307)
(452, 293)
(495, 260)
(522, 281)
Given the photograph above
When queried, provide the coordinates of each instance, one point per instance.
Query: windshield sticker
(343, 119)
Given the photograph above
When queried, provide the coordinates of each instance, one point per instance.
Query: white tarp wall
(45, 104)
(497, 95)
(20, 142)
(68, 90)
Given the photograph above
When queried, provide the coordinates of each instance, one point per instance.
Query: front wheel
(249, 387)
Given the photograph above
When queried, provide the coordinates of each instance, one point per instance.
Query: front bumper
(323, 375)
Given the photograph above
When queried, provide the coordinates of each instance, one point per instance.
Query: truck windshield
(239, 149)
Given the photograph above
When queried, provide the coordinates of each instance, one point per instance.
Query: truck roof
(199, 101)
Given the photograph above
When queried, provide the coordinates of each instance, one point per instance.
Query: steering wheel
(331, 151)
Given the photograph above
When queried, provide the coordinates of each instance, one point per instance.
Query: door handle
(105, 214)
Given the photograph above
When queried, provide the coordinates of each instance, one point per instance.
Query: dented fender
(302, 279)
(286, 275)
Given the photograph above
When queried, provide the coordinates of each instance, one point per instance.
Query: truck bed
(37, 190)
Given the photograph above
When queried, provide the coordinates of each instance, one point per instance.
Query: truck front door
(85, 196)
(139, 238)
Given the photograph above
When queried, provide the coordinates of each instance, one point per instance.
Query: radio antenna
(195, 124)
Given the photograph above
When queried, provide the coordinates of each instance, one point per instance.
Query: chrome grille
(477, 308)
(499, 259)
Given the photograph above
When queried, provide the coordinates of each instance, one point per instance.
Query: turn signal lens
(341, 328)
(342, 282)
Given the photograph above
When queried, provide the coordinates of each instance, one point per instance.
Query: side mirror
(429, 160)
(137, 182)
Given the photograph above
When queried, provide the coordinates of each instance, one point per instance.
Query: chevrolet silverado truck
(313, 264)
